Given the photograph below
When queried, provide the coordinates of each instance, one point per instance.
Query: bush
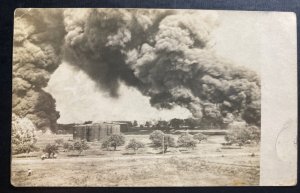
(156, 137)
(114, 141)
(135, 145)
(23, 135)
(59, 141)
(243, 134)
(186, 140)
(51, 150)
(160, 139)
(67, 146)
(200, 137)
(80, 146)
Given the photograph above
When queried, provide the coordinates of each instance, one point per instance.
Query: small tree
(176, 123)
(80, 146)
(200, 137)
(135, 145)
(186, 140)
(242, 134)
(159, 139)
(59, 141)
(254, 133)
(51, 150)
(156, 137)
(23, 135)
(135, 123)
(114, 141)
(67, 146)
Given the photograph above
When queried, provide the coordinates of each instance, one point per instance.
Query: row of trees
(158, 138)
(237, 134)
(208, 122)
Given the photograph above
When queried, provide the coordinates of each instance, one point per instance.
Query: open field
(209, 164)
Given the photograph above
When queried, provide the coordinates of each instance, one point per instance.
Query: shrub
(59, 141)
(80, 146)
(186, 140)
(114, 141)
(23, 135)
(254, 133)
(200, 137)
(67, 146)
(160, 139)
(156, 137)
(135, 145)
(243, 134)
(51, 150)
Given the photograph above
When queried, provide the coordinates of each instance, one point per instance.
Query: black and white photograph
(109, 97)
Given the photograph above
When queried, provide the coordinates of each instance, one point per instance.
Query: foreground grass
(206, 165)
(157, 171)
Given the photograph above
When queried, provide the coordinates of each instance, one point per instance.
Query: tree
(200, 137)
(51, 150)
(135, 145)
(114, 141)
(186, 140)
(147, 124)
(176, 123)
(192, 123)
(156, 137)
(23, 135)
(162, 125)
(135, 123)
(159, 139)
(59, 142)
(241, 134)
(80, 146)
(67, 146)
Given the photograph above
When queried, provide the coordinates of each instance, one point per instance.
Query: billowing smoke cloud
(165, 54)
(38, 36)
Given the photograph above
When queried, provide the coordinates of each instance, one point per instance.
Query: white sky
(238, 38)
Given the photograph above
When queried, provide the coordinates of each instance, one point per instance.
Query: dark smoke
(38, 36)
(165, 54)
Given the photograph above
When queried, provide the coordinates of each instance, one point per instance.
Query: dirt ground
(209, 164)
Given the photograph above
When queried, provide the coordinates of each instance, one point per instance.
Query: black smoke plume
(165, 54)
(38, 37)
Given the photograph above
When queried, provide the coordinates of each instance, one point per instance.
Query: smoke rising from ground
(165, 54)
(38, 37)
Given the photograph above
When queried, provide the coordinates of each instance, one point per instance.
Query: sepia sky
(237, 39)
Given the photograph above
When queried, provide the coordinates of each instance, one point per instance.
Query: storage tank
(79, 132)
(102, 131)
(115, 129)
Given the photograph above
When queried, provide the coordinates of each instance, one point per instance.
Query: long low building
(95, 131)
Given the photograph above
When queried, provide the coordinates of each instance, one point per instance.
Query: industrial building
(95, 131)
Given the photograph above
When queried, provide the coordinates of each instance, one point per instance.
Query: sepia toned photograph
(139, 97)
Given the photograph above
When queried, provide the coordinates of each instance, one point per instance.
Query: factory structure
(96, 131)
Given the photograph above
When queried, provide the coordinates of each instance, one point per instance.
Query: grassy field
(209, 164)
